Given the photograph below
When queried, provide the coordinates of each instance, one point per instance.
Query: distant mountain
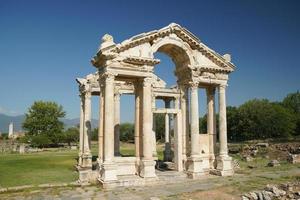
(18, 120)
(74, 122)
(6, 119)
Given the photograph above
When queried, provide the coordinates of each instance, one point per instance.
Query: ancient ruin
(128, 68)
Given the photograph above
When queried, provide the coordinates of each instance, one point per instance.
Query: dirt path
(210, 187)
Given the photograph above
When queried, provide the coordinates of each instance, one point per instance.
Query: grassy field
(57, 166)
(37, 168)
(51, 166)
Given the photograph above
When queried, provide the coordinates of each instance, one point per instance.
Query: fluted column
(101, 127)
(183, 116)
(167, 131)
(137, 124)
(224, 166)
(195, 150)
(117, 124)
(109, 172)
(87, 156)
(167, 151)
(222, 121)
(147, 169)
(81, 129)
(195, 167)
(147, 115)
(109, 119)
(154, 152)
(187, 122)
(211, 129)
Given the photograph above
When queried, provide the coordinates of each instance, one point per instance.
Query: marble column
(195, 150)
(183, 116)
(178, 142)
(81, 129)
(154, 152)
(211, 125)
(101, 127)
(224, 166)
(194, 161)
(87, 155)
(147, 164)
(109, 168)
(187, 123)
(167, 131)
(167, 151)
(117, 124)
(137, 125)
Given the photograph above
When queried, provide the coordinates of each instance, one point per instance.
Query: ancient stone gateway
(128, 67)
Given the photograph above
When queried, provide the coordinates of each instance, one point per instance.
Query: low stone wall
(294, 158)
(284, 191)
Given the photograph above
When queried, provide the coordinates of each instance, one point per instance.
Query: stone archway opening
(177, 59)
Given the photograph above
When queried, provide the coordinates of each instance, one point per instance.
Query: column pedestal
(108, 172)
(224, 165)
(147, 168)
(194, 167)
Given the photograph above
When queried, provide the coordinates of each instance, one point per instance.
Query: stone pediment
(140, 49)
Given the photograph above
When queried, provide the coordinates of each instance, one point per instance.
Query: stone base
(205, 164)
(128, 181)
(194, 167)
(224, 166)
(87, 175)
(147, 168)
(86, 160)
(108, 172)
(212, 162)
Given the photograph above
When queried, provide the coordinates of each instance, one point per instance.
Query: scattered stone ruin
(128, 68)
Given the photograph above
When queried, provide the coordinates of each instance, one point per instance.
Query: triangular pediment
(113, 50)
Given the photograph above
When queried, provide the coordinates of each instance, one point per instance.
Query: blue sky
(45, 45)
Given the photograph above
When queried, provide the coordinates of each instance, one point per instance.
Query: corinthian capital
(147, 82)
(109, 77)
(223, 86)
(194, 85)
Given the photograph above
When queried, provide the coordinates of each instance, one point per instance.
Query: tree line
(255, 119)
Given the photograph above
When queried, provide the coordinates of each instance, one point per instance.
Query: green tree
(233, 120)
(127, 132)
(292, 102)
(71, 135)
(94, 136)
(159, 120)
(262, 119)
(40, 140)
(43, 119)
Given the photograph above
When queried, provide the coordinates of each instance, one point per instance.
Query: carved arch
(180, 52)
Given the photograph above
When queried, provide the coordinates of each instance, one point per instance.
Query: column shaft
(81, 129)
(154, 153)
(137, 123)
(109, 119)
(117, 124)
(87, 123)
(194, 122)
(167, 131)
(147, 120)
(211, 118)
(187, 122)
(183, 126)
(101, 127)
(222, 121)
